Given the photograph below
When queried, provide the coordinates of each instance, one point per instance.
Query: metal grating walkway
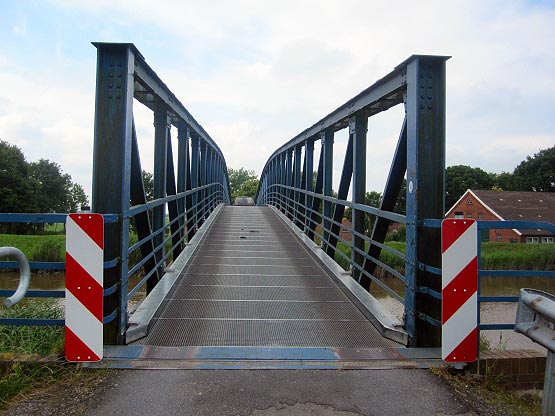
(252, 283)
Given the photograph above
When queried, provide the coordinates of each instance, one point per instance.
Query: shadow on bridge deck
(253, 292)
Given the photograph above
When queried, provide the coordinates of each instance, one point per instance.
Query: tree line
(39, 186)
(536, 173)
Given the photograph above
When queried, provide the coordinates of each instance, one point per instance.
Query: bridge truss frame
(419, 84)
(190, 192)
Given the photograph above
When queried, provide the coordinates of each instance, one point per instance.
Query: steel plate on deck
(252, 283)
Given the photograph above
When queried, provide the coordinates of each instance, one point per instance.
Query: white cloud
(20, 28)
(255, 74)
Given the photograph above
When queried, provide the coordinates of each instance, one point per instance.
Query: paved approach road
(276, 393)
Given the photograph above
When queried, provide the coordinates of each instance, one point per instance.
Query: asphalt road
(275, 393)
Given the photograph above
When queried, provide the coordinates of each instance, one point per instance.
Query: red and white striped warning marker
(459, 317)
(84, 287)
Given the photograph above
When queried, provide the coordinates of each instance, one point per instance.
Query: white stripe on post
(84, 287)
(459, 341)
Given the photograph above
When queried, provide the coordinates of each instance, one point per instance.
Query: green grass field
(37, 247)
(495, 256)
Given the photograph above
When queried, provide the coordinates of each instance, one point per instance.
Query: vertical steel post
(182, 157)
(301, 220)
(282, 181)
(389, 199)
(161, 122)
(173, 209)
(194, 178)
(309, 178)
(203, 171)
(358, 126)
(425, 109)
(315, 217)
(112, 167)
(288, 180)
(142, 220)
(327, 149)
(342, 192)
(296, 183)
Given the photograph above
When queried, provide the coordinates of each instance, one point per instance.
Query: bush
(49, 250)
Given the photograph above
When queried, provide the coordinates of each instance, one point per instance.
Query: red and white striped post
(459, 317)
(84, 287)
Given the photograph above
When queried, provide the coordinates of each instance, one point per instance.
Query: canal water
(489, 312)
(57, 281)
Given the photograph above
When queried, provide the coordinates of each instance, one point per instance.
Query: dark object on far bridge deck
(244, 201)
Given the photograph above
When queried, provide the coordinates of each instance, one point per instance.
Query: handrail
(24, 274)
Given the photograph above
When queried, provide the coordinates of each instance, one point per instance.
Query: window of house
(469, 201)
(548, 240)
(459, 214)
(480, 215)
(532, 240)
(498, 237)
(513, 240)
(469, 215)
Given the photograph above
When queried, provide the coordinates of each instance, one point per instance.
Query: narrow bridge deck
(253, 283)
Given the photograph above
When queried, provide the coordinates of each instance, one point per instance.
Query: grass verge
(489, 398)
(17, 377)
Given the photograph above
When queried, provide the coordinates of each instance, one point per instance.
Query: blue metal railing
(42, 266)
(508, 225)
(188, 192)
(503, 225)
(287, 183)
(204, 207)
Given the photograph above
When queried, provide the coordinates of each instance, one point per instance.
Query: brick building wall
(471, 208)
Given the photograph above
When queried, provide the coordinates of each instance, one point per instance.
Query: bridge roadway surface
(253, 284)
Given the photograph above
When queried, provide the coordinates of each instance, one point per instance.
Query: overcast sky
(256, 73)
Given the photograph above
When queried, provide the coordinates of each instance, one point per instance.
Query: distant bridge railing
(287, 183)
(140, 239)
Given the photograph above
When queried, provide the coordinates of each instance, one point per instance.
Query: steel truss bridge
(232, 284)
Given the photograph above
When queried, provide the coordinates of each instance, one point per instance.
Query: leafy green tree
(237, 178)
(77, 197)
(248, 188)
(504, 181)
(17, 190)
(459, 178)
(148, 180)
(536, 173)
(55, 186)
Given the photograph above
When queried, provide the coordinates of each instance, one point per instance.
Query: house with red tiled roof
(508, 206)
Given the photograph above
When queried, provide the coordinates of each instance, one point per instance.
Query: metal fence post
(425, 109)
(359, 126)
(112, 168)
(309, 177)
(161, 123)
(327, 150)
(182, 158)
